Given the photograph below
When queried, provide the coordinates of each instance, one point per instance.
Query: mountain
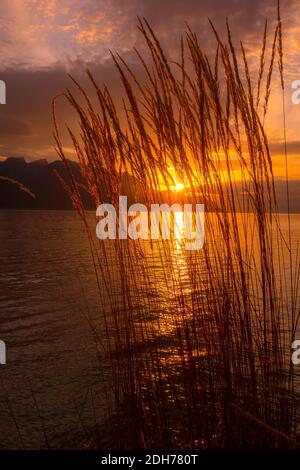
(40, 178)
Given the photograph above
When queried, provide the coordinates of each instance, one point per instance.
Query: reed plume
(197, 342)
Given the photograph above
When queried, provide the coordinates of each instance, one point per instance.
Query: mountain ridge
(40, 177)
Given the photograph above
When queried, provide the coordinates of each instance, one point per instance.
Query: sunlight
(177, 187)
(178, 226)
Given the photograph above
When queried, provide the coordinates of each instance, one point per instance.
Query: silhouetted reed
(198, 342)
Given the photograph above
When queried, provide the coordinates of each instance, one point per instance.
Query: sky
(42, 41)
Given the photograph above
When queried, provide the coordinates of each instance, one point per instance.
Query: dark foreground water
(51, 384)
(52, 390)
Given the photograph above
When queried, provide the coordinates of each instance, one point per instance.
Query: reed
(197, 342)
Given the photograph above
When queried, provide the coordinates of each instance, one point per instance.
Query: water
(52, 390)
(51, 355)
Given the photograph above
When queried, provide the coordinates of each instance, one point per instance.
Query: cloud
(43, 33)
(26, 121)
(43, 39)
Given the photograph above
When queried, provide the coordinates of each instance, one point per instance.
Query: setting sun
(178, 187)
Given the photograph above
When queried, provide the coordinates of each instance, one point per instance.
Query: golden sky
(42, 40)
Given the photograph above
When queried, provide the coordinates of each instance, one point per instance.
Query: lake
(51, 356)
(52, 389)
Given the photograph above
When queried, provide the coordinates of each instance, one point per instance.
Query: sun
(178, 187)
(171, 181)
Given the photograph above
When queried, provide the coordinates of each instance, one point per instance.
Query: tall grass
(197, 342)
